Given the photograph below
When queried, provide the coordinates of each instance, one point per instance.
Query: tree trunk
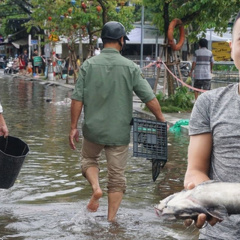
(170, 79)
(104, 10)
(72, 63)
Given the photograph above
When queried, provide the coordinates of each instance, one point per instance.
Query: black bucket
(12, 154)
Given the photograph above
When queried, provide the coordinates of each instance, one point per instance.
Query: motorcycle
(185, 68)
(11, 68)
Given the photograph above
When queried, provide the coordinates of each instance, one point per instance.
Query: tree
(77, 19)
(196, 16)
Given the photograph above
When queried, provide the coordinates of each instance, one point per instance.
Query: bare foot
(94, 201)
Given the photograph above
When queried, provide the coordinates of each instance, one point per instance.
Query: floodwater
(49, 198)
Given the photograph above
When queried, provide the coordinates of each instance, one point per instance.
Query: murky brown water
(48, 200)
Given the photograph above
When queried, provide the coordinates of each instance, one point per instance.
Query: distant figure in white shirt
(97, 51)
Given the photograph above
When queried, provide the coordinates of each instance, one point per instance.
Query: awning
(150, 36)
(216, 37)
(20, 42)
(63, 39)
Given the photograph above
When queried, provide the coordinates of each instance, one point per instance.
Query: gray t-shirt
(203, 59)
(218, 112)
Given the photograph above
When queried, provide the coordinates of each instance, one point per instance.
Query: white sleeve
(1, 109)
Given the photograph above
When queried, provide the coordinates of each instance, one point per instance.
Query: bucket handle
(7, 144)
(24, 149)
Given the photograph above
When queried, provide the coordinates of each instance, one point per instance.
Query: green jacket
(105, 85)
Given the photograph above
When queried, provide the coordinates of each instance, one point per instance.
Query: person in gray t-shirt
(214, 148)
(202, 66)
(3, 126)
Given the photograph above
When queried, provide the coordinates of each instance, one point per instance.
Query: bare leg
(114, 201)
(196, 95)
(92, 177)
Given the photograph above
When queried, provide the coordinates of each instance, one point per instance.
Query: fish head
(179, 206)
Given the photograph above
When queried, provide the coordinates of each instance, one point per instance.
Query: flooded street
(49, 198)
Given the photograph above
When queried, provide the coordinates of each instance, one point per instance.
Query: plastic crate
(150, 139)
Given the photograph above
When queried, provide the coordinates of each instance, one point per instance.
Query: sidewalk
(171, 118)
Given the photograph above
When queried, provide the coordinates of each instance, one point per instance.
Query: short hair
(237, 17)
(203, 43)
(109, 40)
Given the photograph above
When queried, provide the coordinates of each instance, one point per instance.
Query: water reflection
(49, 199)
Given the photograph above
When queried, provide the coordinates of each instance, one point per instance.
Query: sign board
(37, 61)
(47, 50)
(221, 51)
(34, 42)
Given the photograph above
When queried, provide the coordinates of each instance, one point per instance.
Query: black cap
(114, 30)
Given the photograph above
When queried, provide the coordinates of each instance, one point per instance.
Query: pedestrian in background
(37, 62)
(214, 148)
(22, 65)
(105, 88)
(3, 125)
(29, 67)
(202, 66)
(25, 57)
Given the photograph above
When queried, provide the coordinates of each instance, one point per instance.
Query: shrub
(182, 100)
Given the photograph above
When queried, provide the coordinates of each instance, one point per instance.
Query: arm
(155, 108)
(199, 155)
(149, 65)
(3, 127)
(193, 66)
(76, 109)
(211, 66)
(44, 60)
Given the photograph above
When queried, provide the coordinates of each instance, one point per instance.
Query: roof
(150, 36)
(216, 37)
(20, 42)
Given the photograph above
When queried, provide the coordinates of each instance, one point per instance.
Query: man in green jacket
(105, 88)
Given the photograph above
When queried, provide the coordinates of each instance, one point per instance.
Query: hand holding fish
(209, 201)
(202, 218)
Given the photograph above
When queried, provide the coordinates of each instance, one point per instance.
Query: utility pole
(142, 37)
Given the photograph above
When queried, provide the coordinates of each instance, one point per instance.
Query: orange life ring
(176, 22)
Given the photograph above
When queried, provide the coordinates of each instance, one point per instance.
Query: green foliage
(218, 67)
(182, 100)
(197, 16)
(9, 10)
(61, 18)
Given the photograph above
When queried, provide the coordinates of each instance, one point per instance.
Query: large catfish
(217, 199)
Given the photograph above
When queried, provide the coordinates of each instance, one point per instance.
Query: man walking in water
(105, 88)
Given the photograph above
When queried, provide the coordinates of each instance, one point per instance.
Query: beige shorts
(116, 163)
